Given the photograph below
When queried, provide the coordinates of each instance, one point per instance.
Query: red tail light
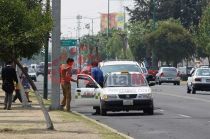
(161, 74)
(198, 79)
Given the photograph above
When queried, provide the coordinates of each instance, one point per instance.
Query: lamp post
(108, 21)
(154, 57)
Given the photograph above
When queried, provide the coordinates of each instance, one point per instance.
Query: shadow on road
(131, 114)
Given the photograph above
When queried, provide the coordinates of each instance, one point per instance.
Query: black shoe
(5, 108)
(29, 101)
(9, 109)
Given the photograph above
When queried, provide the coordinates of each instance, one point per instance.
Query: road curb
(103, 125)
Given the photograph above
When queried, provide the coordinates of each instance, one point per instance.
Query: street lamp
(108, 21)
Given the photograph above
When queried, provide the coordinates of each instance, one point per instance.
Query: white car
(199, 80)
(32, 74)
(122, 91)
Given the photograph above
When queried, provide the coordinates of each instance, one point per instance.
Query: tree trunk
(44, 110)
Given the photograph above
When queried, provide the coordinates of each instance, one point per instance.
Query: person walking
(97, 74)
(9, 76)
(17, 93)
(25, 83)
(66, 78)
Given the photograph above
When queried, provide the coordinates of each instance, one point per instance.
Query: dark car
(40, 70)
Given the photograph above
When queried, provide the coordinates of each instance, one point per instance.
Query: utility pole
(154, 57)
(108, 21)
(79, 17)
(56, 32)
(45, 94)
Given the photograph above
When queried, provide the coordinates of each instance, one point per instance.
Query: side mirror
(152, 84)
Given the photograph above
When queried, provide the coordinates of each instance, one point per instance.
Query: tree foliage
(171, 42)
(203, 36)
(187, 11)
(137, 33)
(23, 27)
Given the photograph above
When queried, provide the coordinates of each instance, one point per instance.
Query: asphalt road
(178, 115)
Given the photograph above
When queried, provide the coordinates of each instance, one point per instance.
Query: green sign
(69, 42)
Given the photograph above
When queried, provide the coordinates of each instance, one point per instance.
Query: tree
(171, 42)
(23, 27)
(137, 33)
(203, 36)
(187, 11)
(117, 46)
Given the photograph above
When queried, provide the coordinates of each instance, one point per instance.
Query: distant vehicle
(34, 66)
(122, 91)
(152, 71)
(168, 75)
(199, 80)
(32, 74)
(119, 66)
(149, 77)
(183, 71)
(40, 70)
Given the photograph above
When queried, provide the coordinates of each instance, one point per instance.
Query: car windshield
(125, 80)
(203, 72)
(120, 68)
(31, 70)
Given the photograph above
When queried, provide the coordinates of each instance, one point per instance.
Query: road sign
(69, 42)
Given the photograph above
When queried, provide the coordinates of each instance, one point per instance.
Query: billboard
(116, 20)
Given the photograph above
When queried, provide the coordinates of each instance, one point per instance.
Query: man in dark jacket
(9, 76)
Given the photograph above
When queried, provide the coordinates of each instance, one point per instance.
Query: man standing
(97, 74)
(66, 78)
(9, 76)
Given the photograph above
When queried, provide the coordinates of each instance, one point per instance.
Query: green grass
(103, 132)
(71, 117)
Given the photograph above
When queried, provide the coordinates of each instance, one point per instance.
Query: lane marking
(183, 97)
(185, 116)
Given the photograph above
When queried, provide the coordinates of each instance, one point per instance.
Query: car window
(203, 72)
(31, 70)
(119, 68)
(125, 80)
(169, 69)
(144, 70)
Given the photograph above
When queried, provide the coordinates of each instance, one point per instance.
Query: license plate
(127, 102)
(169, 78)
(207, 80)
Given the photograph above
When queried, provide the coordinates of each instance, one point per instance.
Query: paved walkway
(22, 123)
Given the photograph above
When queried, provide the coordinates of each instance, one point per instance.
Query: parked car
(199, 80)
(168, 75)
(32, 74)
(184, 73)
(122, 91)
(153, 71)
(40, 70)
(149, 77)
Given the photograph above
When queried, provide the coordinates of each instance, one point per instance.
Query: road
(178, 115)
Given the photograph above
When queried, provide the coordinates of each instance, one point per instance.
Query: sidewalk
(22, 123)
